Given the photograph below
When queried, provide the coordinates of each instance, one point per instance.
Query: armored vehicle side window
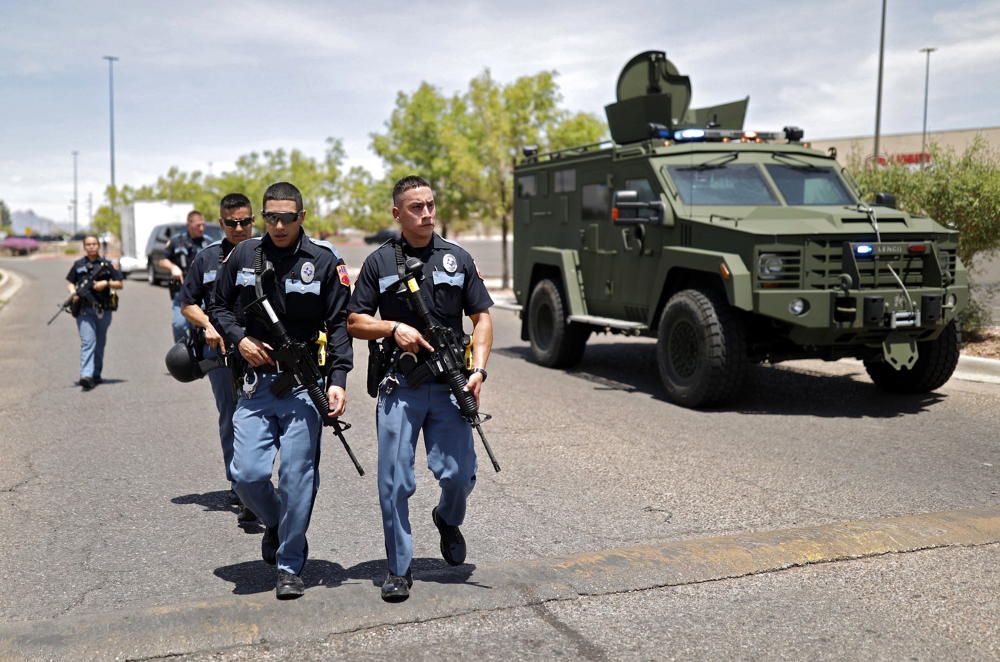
(642, 188)
(737, 184)
(596, 203)
(809, 185)
(565, 181)
(527, 186)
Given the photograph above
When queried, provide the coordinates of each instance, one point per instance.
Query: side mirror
(627, 209)
(885, 200)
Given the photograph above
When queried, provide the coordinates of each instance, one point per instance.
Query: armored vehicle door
(638, 225)
(599, 245)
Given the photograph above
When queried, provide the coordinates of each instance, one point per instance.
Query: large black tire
(936, 361)
(555, 342)
(701, 349)
(151, 274)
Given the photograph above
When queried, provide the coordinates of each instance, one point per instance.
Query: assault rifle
(84, 293)
(296, 360)
(448, 358)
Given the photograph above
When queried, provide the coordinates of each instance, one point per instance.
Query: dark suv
(157, 244)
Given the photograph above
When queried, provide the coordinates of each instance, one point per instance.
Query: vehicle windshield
(809, 185)
(721, 184)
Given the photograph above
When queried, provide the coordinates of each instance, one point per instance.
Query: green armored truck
(728, 246)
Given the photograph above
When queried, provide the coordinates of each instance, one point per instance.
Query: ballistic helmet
(184, 366)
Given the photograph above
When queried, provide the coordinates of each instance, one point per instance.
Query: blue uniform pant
(93, 334)
(451, 457)
(178, 322)
(263, 424)
(225, 401)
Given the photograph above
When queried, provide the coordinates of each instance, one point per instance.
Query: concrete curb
(222, 623)
(11, 284)
(977, 369)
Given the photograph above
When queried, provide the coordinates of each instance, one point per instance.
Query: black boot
(396, 588)
(452, 542)
(289, 586)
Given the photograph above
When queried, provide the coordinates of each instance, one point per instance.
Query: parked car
(157, 244)
(382, 236)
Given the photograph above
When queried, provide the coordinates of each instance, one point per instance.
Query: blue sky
(200, 83)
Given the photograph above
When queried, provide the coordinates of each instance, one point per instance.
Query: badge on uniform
(308, 272)
(450, 263)
(344, 278)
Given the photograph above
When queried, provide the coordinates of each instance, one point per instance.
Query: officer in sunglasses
(236, 220)
(310, 293)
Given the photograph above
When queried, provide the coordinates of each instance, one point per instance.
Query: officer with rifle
(421, 285)
(177, 258)
(91, 282)
(236, 220)
(281, 300)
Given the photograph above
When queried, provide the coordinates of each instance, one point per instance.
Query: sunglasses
(286, 217)
(238, 222)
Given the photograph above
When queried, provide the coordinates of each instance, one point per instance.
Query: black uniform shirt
(451, 285)
(199, 282)
(181, 249)
(83, 266)
(311, 294)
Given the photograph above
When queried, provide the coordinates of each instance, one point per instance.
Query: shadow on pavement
(217, 501)
(770, 390)
(252, 577)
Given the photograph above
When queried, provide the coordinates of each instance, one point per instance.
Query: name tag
(442, 278)
(245, 278)
(386, 282)
(208, 277)
(298, 287)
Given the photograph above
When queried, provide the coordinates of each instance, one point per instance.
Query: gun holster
(378, 366)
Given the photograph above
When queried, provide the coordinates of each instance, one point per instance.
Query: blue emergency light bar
(791, 133)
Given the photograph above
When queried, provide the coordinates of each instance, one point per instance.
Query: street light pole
(878, 97)
(111, 112)
(927, 80)
(76, 199)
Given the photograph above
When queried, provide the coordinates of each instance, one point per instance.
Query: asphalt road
(113, 500)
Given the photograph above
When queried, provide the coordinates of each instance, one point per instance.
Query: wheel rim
(683, 348)
(544, 323)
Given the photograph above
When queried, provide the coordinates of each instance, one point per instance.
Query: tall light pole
(927, 80)
(111, 108)
(878, 97)
(76, 199)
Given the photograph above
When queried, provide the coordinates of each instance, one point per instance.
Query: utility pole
(111, 113)
(927, 80)
(76, 199)
(878, 97)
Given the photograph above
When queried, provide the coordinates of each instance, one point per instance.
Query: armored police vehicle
(728, 246)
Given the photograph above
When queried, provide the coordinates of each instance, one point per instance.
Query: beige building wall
(906, 145)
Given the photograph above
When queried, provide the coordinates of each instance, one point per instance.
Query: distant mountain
(22, 220)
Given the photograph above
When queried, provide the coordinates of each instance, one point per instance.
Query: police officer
(311, 295)
(177, 258)
(451, 286)
(95, 308)
(236, 220)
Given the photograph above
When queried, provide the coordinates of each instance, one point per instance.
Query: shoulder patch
(342, 272)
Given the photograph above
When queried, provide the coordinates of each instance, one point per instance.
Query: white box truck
(138, 221)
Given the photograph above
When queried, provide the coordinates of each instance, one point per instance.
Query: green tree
(5, 220)
(510, 117)
(428, 134)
